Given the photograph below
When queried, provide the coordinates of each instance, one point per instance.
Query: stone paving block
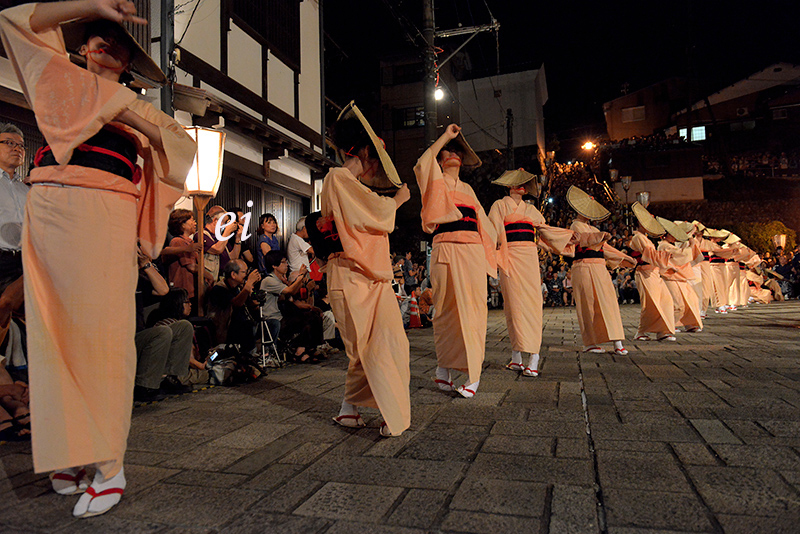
(637, 470)
(759, 457)
(109, 523)
(420, 508)
(205, 479)
(572, 448)
(666, 430)
(532, 468)
(158, 442)
(388, 448)
(141, 478)
(35, 513)
(145, 458)
(288, 496)
(573, 510)
(257, 521)
(738, 490)
(630, 445)
(535, 446)
(459, 521)
(348, 527)
(426, 448)
(306, 453)
(214, 458)
(337, 500)
(254, 435)
(272, 477)
(479, 494)
(397, 472)
(260, 458)
(540, 428)
(656, 510)
(694, 454)
(742, 524)
(714, 431)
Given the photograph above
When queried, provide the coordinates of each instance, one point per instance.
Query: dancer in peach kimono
(683, 255)
(732, 271)
(79, 297)
(358, 221)
(595, 299)
(517, 224)
(463, 255)
(657, 307)
(719, 276)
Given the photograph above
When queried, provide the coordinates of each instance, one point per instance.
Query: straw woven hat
(719, 234)
(673, 229)
(646, 219)
(732, 238)
(387, 179)
(585, 205)
(517, 178)
(470, 158)
(686, 226)
(700, 226)
(75, 35)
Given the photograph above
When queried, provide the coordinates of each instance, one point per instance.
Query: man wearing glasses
(13, 192)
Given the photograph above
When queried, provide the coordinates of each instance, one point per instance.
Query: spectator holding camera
(227, 302)
(277, 289)
(215, 250)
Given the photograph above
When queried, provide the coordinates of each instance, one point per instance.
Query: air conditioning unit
(742, 112)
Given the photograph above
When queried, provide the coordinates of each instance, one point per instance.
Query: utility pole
(429, 85)
(509, 140)
(167, 43)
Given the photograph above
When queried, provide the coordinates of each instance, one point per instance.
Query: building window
(699, 133)
(683, 133)
(778, 114)
(274, 22)
(634, 114)
(412, 117)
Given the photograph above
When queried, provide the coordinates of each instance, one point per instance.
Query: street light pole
(429, 86)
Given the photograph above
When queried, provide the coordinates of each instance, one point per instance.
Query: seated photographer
(15, 415)
(227, 305)
(160, 350)
(301, 321)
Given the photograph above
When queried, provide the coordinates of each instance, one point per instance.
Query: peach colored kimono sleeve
(557, 240)
(363, 218)
(589, 239)
(650, 255)
(616, 258)
(497, 217)
(165, 171)
(488, 238)
(679, 266)
(70, 103)
(438, 206)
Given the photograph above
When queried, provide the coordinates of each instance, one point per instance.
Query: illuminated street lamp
(438, 94)
(643, 197)
(588, 145)
(202, 184)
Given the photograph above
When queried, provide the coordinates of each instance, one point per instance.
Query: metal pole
(167, 45)
(429, 85)
(509, 140)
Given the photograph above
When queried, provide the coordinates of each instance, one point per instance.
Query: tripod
(270, 356)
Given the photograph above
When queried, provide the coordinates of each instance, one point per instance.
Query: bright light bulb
(438, 94)
(588, 145)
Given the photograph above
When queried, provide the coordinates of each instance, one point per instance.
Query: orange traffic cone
(414, 320)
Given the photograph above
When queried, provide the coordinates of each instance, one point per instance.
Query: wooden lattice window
(274, 22)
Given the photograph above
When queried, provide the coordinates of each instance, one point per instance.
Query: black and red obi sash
(716, 259)
(467, 223)
(706, 256)
(636, 255)
(586, 253)
(742, 266)
(520, 231)
(107, 151)
(323, 235)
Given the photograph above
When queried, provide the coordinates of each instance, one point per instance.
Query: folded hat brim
(585, 205)
(647, 221)
(391, 175)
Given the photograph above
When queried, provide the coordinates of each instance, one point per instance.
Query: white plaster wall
(244, 147)
(310, 79)
(287, 132)
(202, 37)
(244, 59)
(289, 167)
(280, 85)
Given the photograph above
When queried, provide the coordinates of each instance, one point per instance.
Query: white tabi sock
(443, 374)
(347, 409)
(516, 357)
(534, 362)
(618, 344)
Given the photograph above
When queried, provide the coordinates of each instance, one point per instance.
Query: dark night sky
(589, 49)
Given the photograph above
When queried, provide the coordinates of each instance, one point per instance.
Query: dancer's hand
(402, 196)
(452, 131)
(116, 10)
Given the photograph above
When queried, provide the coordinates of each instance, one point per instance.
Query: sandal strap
(69, 478)
(445, 382)
(468, 390)
(340, 417)
(110, 491)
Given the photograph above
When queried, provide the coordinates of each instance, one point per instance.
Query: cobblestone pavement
(700, 435)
